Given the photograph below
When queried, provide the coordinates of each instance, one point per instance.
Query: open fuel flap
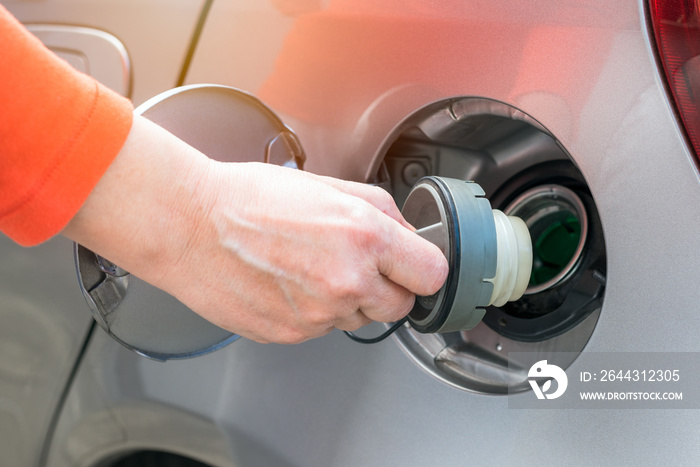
(227, 125)
(527, 173)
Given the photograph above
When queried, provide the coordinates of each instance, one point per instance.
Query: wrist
(145, 210)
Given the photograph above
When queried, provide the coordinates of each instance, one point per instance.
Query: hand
(270, 253)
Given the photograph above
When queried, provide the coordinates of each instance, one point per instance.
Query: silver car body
(344, 75)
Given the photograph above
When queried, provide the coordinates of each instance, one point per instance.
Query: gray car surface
(511, 94)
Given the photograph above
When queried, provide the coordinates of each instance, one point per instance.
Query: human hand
(272, 254)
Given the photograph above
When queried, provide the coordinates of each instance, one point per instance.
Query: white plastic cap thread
(514, 259)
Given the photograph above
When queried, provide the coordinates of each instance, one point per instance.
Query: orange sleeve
(59, 131)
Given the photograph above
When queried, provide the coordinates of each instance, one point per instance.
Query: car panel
(40, 342)
(584, 71)
(155, 33)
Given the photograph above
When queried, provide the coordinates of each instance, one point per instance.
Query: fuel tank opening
(527, 173)
(558, 225)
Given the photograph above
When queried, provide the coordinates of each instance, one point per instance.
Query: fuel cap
(223, 123)
(489, 253)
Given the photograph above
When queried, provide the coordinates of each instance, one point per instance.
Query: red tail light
(676, 26)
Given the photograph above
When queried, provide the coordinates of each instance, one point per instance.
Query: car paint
(343, 75)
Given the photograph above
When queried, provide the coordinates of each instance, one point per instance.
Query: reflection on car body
(515, 95)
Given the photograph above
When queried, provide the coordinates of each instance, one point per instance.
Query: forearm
(270, 253)
(146, 207)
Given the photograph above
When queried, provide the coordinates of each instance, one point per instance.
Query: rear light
(676, 25)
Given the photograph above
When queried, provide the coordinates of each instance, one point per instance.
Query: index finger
(373, 194)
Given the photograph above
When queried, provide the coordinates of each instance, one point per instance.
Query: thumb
(412, 262)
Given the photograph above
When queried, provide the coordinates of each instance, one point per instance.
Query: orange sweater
(59, 131)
